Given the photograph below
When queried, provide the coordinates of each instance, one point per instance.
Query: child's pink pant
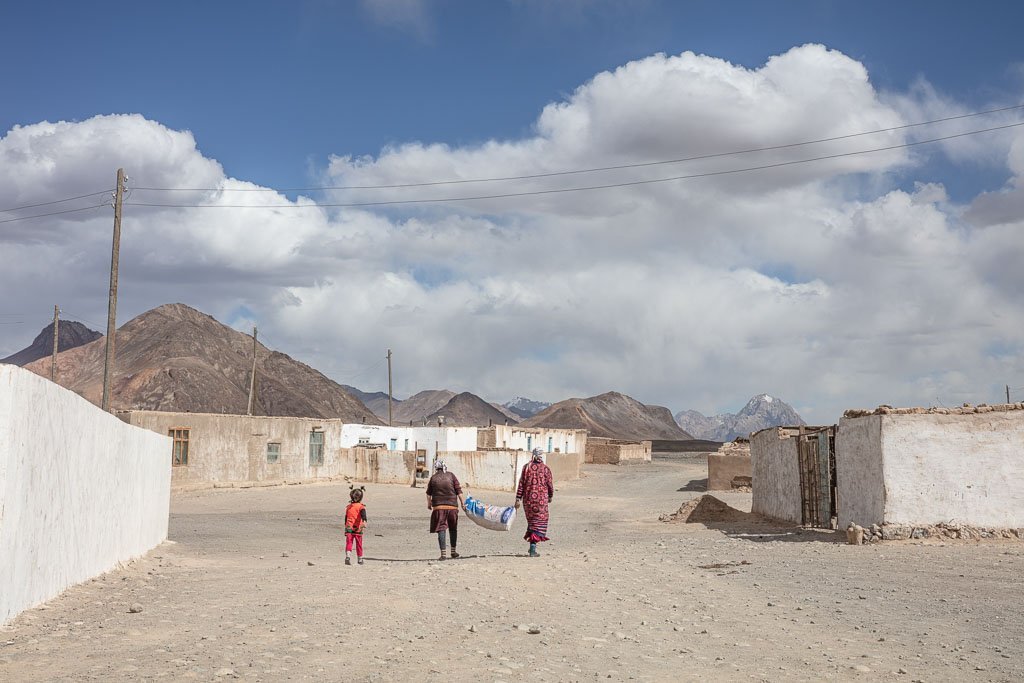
(358, 539)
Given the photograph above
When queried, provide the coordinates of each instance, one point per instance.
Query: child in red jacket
(355, 522)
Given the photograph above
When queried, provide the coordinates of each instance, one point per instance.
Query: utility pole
(1007, 393)
(115, 254)
(389, 387)
(252, 377)
(53, 359)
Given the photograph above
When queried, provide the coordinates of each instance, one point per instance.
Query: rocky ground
(253, 586)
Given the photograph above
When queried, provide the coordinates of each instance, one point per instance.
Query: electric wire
(55, 201)
(595, 169)
(52, 213)
(605, 186)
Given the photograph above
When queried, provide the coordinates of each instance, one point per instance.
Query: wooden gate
(817, 464)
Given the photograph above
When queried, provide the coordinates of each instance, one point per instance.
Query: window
(549, 444)
(394, 445)
(529, 443)
(273, 452)
(316, 448)
(406, 445)
(179, 450)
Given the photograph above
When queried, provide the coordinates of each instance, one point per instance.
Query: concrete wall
(775, 474)
(80, 491)
(924, 469)
(722, 467)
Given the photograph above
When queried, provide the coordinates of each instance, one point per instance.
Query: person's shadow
(434, 559)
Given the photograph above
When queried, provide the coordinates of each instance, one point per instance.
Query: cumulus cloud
(822, 282)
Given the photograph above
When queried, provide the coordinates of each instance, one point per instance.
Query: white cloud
(818, 283)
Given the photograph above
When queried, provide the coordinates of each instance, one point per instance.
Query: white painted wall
(80, 490)
(934, 468)
(525, 439)
(860, 486)
(431, 439)
(775, 476)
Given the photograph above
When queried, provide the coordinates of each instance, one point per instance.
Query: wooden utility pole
(115, 253)
(1007, 393)
(252, 377)
(389, 387)
(53, 359)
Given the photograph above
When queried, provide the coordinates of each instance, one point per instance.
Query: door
(816, 458)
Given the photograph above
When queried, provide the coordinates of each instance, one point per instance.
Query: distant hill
(70, 335)
(761, 412)
(376, 401)
(525, 407)
(611, 415)
(469, 410)
(176, 358)
(416, 408)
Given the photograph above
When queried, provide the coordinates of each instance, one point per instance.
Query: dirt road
(253, 586)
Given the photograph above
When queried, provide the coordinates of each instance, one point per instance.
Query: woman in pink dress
(536, 489)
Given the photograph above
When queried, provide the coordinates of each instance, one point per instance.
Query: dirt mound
(704, 510)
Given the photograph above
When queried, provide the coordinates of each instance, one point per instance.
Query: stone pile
(965, 409)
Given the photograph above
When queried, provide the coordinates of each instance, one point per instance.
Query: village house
(897, 472)
(219, 450)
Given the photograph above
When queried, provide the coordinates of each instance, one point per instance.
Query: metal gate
(817, 464)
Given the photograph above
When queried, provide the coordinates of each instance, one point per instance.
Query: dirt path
(254, 586)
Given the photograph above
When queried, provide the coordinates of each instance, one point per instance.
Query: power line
(587, 170)
(605, 186)
(55, 201)
(52, 213)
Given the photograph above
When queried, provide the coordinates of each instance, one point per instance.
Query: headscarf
(440, 466)
(538, 455)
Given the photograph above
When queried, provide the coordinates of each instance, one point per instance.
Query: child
(355, 522)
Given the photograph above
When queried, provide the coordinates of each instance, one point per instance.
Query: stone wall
(80, 491)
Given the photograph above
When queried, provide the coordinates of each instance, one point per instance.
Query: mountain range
(761, 412)
(176, 358)
(611, 415)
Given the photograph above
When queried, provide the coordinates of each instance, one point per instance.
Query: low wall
(775, 475)
(80, 491)
(601, 451)
(932, 468)
(722, 468)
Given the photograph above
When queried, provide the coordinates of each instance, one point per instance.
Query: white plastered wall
(934, 468)
(80, 490)
(775, 476)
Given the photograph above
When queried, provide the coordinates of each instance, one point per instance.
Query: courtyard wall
(80, 491)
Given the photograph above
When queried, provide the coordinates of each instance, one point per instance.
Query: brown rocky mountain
(175, 358)
(70, 334)
(414, 409)
(611, 415)
(469, 410)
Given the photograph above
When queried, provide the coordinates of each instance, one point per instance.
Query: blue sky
(894, 273)
(272, 88)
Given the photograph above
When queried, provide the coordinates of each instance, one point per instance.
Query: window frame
(277, 454)
(181, 437)
(318, 461)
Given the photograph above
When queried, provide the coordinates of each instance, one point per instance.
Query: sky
(890, 276)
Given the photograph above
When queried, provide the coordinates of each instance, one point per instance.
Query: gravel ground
(253, 586)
